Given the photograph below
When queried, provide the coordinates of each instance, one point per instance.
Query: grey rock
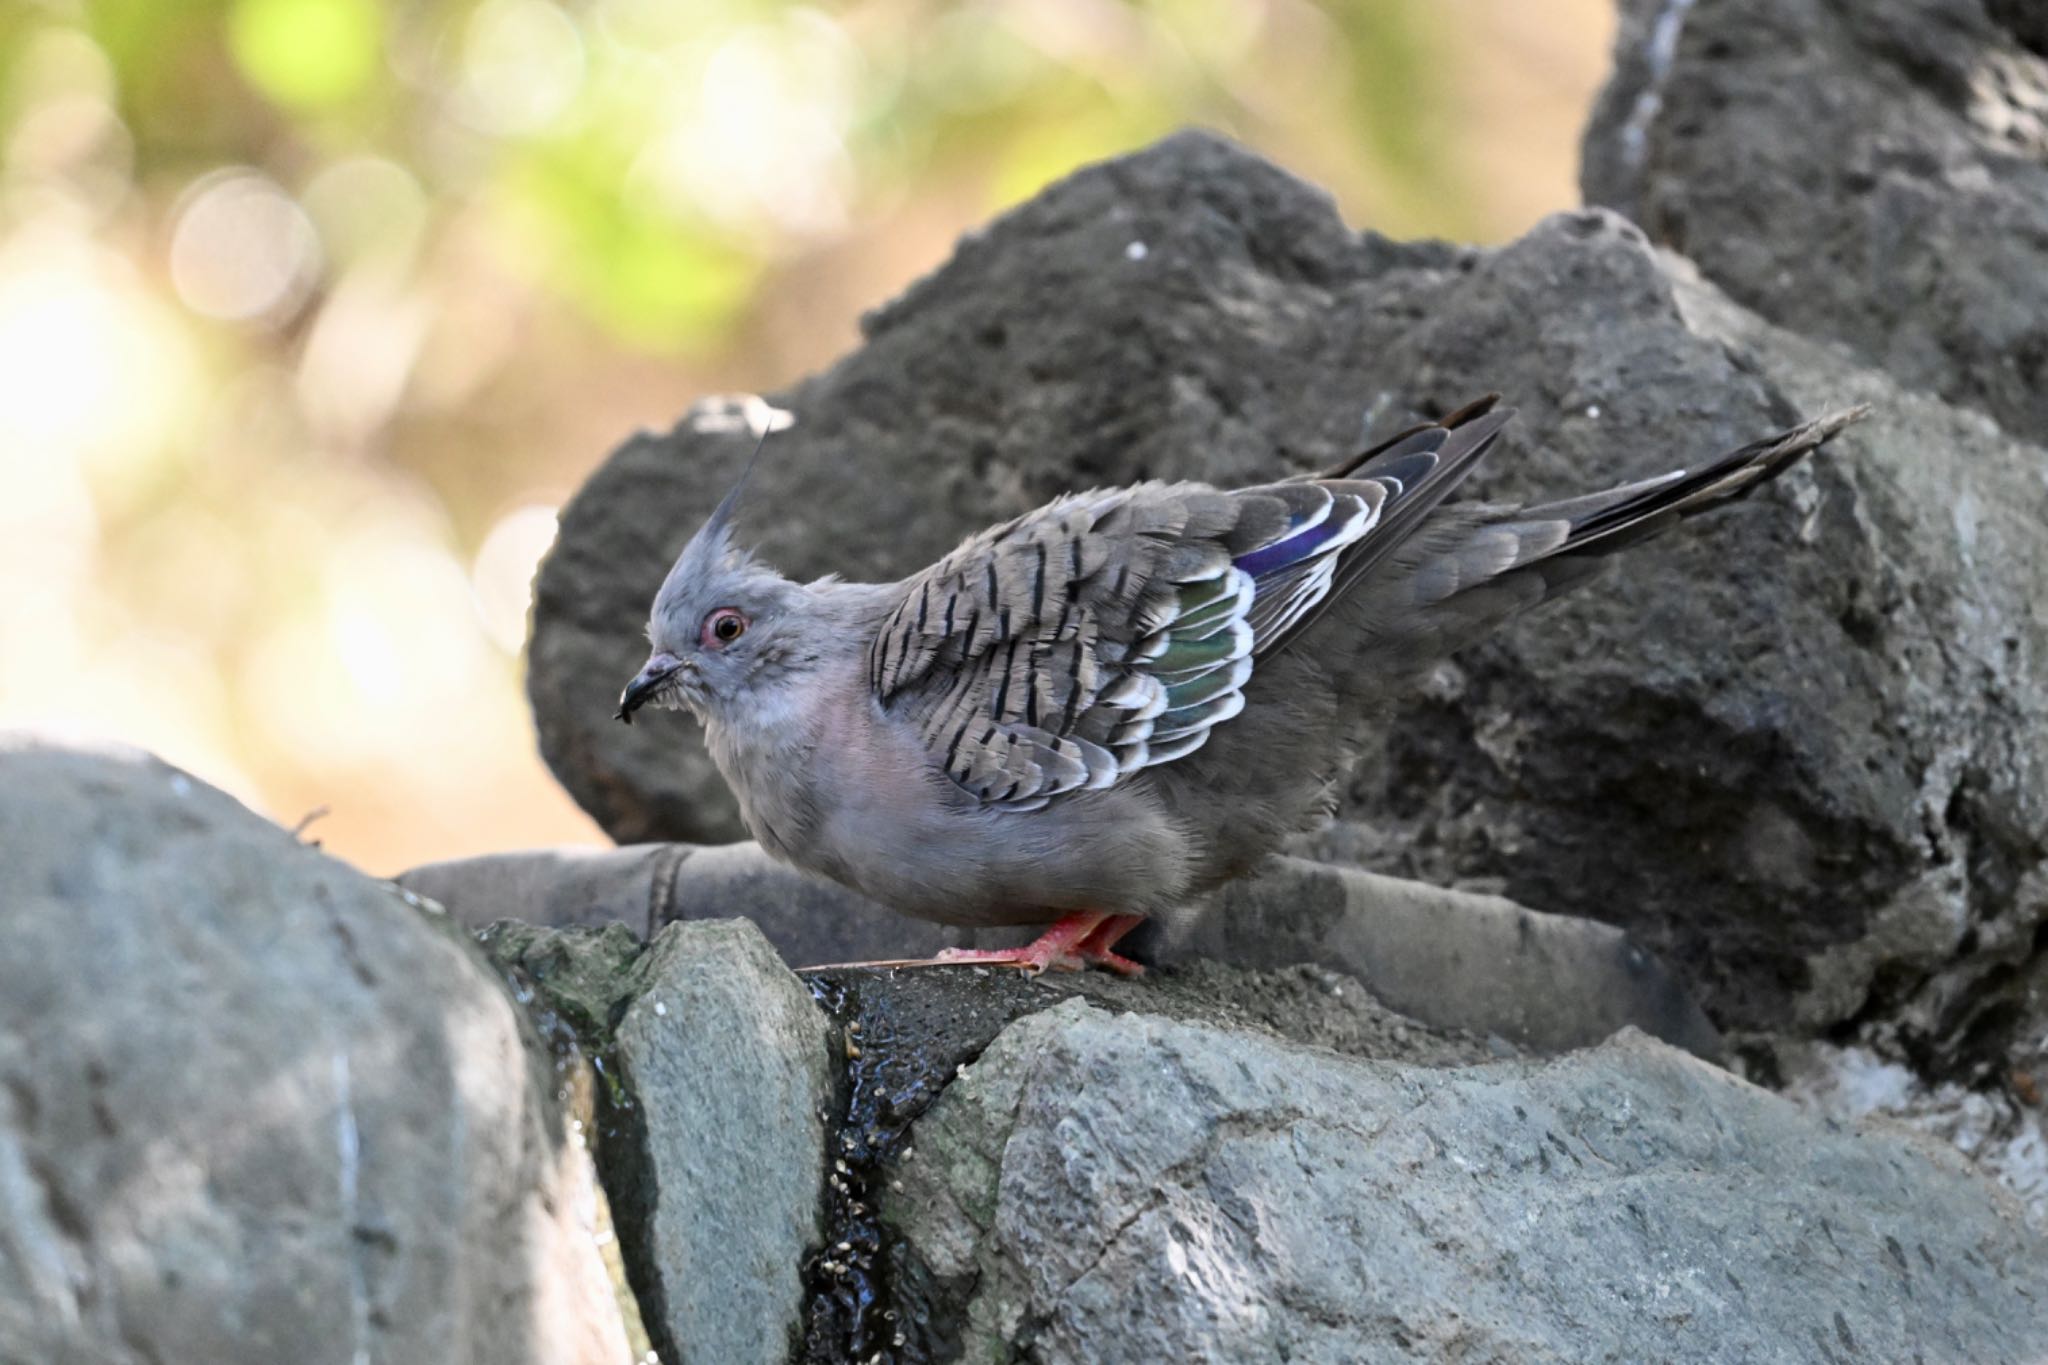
(1279, 1202)
(1787, 752)
(1951, 535)
(715, 1162)
(908, 1033)
(2003, 1129)
(556, 887)
(1875, 172)
(1782, 752)
(809, 921)
(1451, 959)
(2024, 20)
(1768, 748)
(255, 1106)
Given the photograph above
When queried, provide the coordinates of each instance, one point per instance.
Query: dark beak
(646, 683)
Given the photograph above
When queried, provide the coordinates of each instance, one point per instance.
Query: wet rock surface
(256, 1106)
(906, 1034)
(1104, 1189)
(688, 1143)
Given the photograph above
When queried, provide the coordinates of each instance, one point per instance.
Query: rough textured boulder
(1108, 1189)
(255, 1106)
(1948, 974)
(1786, 748)
(1874, 172)
(1876, 175)
(1783, 750)
(1450, 959)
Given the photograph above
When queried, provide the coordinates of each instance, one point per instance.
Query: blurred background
(313, 311)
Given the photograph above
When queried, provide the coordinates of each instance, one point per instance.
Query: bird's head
(723, 625)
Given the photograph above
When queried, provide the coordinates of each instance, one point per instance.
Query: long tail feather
(1619, 517)
(1459, 571)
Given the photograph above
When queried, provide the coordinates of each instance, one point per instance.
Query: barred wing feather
(1109, 631)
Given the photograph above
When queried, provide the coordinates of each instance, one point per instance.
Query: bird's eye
(722, 627)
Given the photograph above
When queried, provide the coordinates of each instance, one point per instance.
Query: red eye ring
(722, 627)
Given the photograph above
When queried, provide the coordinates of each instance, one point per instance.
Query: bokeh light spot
(502, 576)
(90, 371)
(972, 61)
(522, 64)
(307, 53)
(242, 249)
(366, 206)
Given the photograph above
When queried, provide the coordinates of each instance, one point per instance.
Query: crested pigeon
(1099, 710)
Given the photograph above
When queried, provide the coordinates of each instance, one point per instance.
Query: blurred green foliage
(649, 159)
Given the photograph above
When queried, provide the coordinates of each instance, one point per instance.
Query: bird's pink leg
(1082, 939)
(1059, 947)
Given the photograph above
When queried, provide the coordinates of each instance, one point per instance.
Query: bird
(1095, 712)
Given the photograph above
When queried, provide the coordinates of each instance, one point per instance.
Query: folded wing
(1112, 631)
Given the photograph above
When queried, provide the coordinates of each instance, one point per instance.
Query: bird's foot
(1096, 949)
(1079, 941)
